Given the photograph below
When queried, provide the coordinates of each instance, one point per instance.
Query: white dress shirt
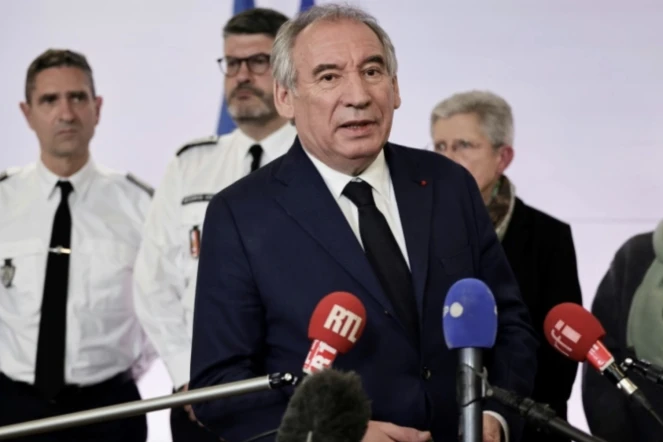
(378, 176)
(103, 335)
(166, 267)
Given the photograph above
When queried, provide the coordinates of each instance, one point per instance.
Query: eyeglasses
(257, 64)
(457, 145)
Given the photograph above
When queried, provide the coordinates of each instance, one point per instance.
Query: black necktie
(256, 153)
(385, 255)
(49, 371)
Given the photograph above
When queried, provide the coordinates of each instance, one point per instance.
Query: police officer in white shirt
(165, 273)
(69, 233)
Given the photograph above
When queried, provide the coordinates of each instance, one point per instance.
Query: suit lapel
(305, 197)
(414, 196)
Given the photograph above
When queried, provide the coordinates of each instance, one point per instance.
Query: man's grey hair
(283, 66)
(495, 116)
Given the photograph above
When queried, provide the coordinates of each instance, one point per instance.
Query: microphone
(576, 333)
(469, 321)
(328, 406)
(336, 324)
(542, 415)
(644, 368)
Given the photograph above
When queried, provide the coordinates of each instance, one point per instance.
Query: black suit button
(425, 374)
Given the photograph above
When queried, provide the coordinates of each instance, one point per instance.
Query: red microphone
(337, 323)
(576, 333)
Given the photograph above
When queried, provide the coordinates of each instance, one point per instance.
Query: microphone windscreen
(338, 320)
(572, 330)
(328, 406)
(469, 318)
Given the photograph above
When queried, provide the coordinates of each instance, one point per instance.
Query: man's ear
(506, 155)
(283, 101)
(397, 93)
(26, 110)
(98, 101)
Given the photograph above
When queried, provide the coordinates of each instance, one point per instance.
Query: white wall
(584, 80)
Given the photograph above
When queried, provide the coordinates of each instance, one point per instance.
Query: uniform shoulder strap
(140, 183)
(213, 139)
(8, 173)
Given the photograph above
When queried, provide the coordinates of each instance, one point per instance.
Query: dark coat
(608, 411)
(542, 255)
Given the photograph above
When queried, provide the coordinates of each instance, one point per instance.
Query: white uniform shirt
(103, 335)
(166, 267)
(377, 175)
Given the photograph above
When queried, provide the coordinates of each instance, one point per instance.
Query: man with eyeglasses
(166, 266)
(476, 130)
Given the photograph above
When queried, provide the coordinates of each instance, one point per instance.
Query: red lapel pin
(423, 183)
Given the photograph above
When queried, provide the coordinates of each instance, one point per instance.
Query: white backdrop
(584, 80)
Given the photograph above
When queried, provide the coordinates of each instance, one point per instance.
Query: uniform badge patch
(194, 242)
(7, 273)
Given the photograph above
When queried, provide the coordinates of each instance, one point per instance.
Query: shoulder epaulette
(7, 173)
(143, 185)
(200, 142)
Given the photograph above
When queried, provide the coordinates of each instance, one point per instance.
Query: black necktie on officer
(256, 153)
(49, 370)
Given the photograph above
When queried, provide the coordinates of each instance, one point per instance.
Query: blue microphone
(469, 321)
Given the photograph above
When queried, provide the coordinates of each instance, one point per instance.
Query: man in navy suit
(345, 210)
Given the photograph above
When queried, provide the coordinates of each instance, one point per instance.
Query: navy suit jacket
(276, 242)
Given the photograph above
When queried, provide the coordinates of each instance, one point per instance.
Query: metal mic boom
(645, 369)
(540, 415)
(268, 382)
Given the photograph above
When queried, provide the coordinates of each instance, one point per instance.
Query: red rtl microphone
(577, 334)
(337, 323)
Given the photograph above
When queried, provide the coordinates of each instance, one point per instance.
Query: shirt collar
(377, 175)
(273, 144)
(80, 181)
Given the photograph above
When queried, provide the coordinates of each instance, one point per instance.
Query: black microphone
(645, 369)
(541, 415)
(327, 406)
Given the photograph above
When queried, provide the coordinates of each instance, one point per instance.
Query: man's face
(62, 112)
(248, 84)
(344, 100)
(461, 139)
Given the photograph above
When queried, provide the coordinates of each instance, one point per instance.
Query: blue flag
(306, 4)
(226, 124)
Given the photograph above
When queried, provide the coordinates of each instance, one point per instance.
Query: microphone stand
(119, 411)
(645, 369)
(541, 415)
(469, 392)
(650, 372)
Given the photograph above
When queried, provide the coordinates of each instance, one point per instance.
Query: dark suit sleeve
(228, 325)
(560, 284)
(606, 408)
(512, 363)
